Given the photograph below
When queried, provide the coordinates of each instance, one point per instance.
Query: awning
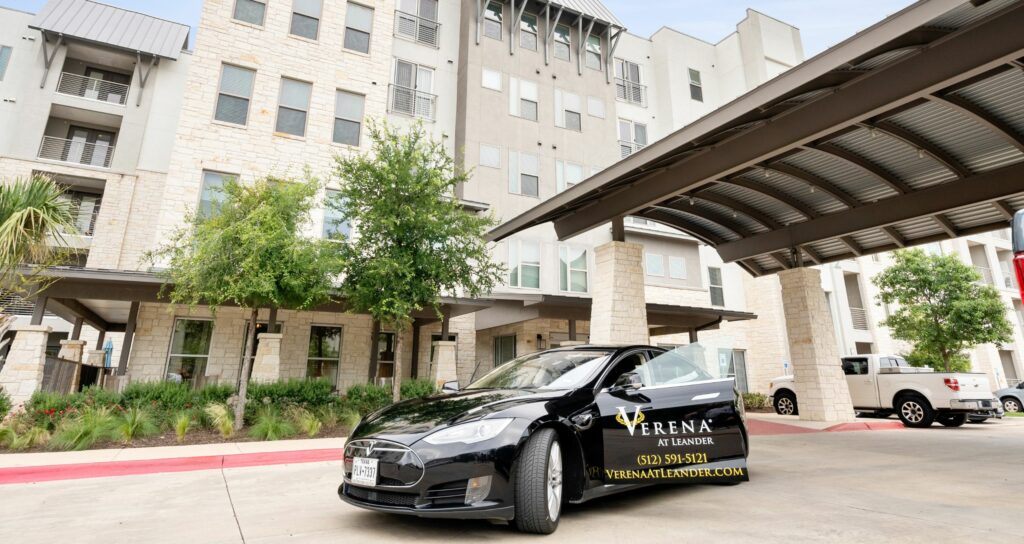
(124, 29)
(909, 132)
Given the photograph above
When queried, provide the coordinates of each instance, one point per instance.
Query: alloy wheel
(912, 411)
(554, 481)
(786, 406)
(1011, 405)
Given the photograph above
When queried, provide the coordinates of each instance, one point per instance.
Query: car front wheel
(785, 404)
(1011, 404)
(915, 411)
(538, 484)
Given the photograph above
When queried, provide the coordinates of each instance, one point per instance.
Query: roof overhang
(909, 132)
(123, 29)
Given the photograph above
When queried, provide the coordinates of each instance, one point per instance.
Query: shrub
(329, 415)
(755, 401)
(162, 395)
(5, 403)
(47, 410)
(214, 393)
(306, 393)
(367, 398)
(182, 422)
(33, 436)
(270, 424)
(84, 429)
(95, 396)
(221, 418)
(135, 422)
(420, 387)
(307, 423)
(350, 418)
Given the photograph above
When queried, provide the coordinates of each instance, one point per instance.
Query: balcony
(92, 88)
(985, 273)
(417, 29)
(76, 151)
(630, 91)
(628, 148)
(407, 101)
(859, 318)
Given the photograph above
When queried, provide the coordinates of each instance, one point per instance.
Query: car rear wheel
(915, 411)
(952, 420)
(538, 484)
(1011, 404)
(785, 404)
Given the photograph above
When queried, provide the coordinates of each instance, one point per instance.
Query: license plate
(364, 471)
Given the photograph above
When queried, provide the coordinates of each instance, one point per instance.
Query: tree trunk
(396, 381)
(945, 360)
(243, 383)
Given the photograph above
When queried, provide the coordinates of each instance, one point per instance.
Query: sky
(822, 23)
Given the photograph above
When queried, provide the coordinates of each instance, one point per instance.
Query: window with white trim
(250, 11)
(293, 106)
(306, 18)
(567, 175)
(528, 32)
(523, 174)
(348, 117)
(234, 94)
(524, 264)
(715, 286)
(490, 156)
(522, 98)
(595, 107)
(676, 267)
(336, 227)
(655, 264)
(563, 42)
(211, 193)
(323, 356)
(696, 88)
(490, 79)
(492, 19)
(568, 108)
(189, 350)
(632, 137)
(572, 269)
(358, 27)
(593, 58)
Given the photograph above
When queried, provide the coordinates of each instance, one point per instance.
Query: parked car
(1012, 398)
(563, 425)
(883, 384)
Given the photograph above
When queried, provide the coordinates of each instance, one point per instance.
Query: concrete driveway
(932, 485)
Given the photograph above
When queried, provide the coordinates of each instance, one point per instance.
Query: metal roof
(909, 132)
(593, 8)
(116, 27)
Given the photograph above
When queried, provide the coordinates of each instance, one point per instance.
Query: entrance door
(677, 425)
(89, 146)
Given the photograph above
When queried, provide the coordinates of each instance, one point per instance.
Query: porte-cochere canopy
(909, 132)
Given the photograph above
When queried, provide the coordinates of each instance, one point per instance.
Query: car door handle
(582, 421)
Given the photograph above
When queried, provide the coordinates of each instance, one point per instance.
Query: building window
(567, 110)
(190, 350)
(293, 104)
(594, 52)
(348, 117)
(572, 269)
(567, 175)
(524, 264)
(358, 23)
(5, 59)
(491, 79)
(732, 363)
(523, 174)
(595, 107)
(234, 95)
(490, 156)
(324, 354)
(696, 90)
(563, 43)
(677, 268)
(522, 100)
(504, 349)
(417, 21)
(528, 32)
(250, 11)
(306, 18)
(412, 92)
(715, 286)
(632, 137)
(655, 264)
(628, 86)
(335, 225)
(212, 193)
(492, 20)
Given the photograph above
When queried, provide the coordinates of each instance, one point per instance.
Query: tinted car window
(626, 364)
(855, 367)
(545, 370)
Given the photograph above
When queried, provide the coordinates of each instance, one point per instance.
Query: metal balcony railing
(628, 148)
(630, 91)
(859, 317)
(92, 88)
(986, 274)
(417, 29)
(411, 102)
(76, 151)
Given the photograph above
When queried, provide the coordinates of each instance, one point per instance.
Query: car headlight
(469, 433)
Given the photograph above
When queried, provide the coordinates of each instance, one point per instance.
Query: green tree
(414, 242)
(943, 308)
(250, 251)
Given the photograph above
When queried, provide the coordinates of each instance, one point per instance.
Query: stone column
(22, 374)
(266, 367)
(72, 351)
(619, 311)
(443, 367)
(96, 357)
(821, 390)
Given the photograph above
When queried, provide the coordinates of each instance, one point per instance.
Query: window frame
(556, 39)
(720, 286)
(565, 268)
(679, 259)
(369, 33)
(221, 92)
(480, 155)
(497, 341)
(318, 19)
(280, 106)
(337, 361)
(327, 210)
(518, 172)
(484, 71)
(650, 257)
(263, 18)
(337, 117)
(534, 33)
(489, 20)
(696, 85)
(561, 175)
(515, 249)
(170, 345)
(599, 53)
(202, 184)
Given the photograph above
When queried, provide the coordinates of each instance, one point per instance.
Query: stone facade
(619, 311)
(443, 367)
(266, 365)
(22, 373)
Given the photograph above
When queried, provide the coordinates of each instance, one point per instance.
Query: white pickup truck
(884, 384)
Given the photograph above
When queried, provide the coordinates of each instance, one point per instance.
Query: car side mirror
(630, 381)
(450, 386)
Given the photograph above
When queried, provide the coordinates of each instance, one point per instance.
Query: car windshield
(545, 370)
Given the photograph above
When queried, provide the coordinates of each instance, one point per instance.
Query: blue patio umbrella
(108, 347)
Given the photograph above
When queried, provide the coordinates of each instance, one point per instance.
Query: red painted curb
(864, 426)
(47, 473)
(757, 427)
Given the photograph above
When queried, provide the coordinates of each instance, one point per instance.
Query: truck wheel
(1011, 404)
(785, 404)
(952, 420)
(915, 411)
(538, 484)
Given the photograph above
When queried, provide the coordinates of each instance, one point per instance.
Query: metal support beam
(613, 44)
(852, 245)
(416, 328)
(38, 311)
(514, 26)
(572, 330)
(982, 117)
(811, 254)
(864, 164)
(100, 338)
(143, 77)
(48, 56)
(619, 229)
(816, 183)
(584, 37)
(782, 260)
(990, 186)
(895, 236)
(772, 192)
(676, 222)
(129, 335)
(77, 309)
(446, 318)
(550, 29)
(374, 353)
(479, 19)
(1004, 209)
(272, 320)
(764, 219)
(714, 217)
(948, 161)
(946, 225)
(76, 329)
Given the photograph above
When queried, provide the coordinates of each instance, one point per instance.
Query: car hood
(408, 421)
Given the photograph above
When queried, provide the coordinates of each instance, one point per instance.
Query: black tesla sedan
(566, 424)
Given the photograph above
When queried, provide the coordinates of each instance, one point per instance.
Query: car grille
(387, 498)
(448, 494)
(398, 466)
